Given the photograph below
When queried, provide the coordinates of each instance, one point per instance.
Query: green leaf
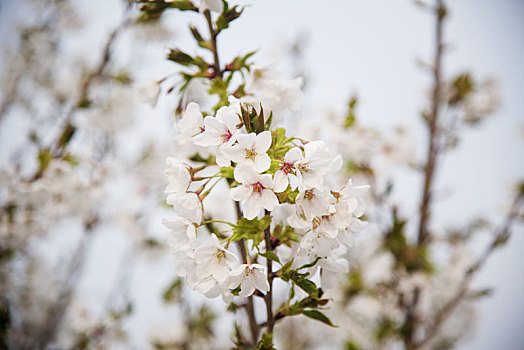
(44, 158)
(311, 264)
(251, 229)
(173, 292)
(271, 255)
(319, 316)
(180, 57)
(306, 285)
(182, 5)
(227, 172)
(228, 16)
(266, 343)
(283, 273)
(351, 118)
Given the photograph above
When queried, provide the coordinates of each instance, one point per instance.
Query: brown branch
(214, 49)
(250, 309)
(501, 236)
(269, 295)
(433, 117)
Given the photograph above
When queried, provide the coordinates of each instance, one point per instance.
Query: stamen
(250, 153)
(227, 136)
(257, 187)
(287, 168)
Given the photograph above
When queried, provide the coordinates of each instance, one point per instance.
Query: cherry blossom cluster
(268, 174)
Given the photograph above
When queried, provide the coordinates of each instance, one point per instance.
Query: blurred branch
(433, 118)
(501, 236)
(58, 146)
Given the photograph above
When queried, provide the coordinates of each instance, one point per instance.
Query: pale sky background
(371, 47)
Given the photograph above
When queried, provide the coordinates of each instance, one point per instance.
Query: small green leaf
(180, 57)
(271, 256)
(319, 316)
(311, 264)
(227, 172)
(307, 286)
(173, 292)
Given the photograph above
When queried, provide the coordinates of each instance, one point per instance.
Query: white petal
(236, 153)
(240, 193)
(223, 158)
(261, 281)
(336, 163)
(220, 272)
(263, 141)
(266, 181)
(281, 181)
(231, 258)
(228, 116)
(247, 287)
(293, 155)
(245, 174)
(247, 140)
(269, 199)
(262, 162)
(252, 207)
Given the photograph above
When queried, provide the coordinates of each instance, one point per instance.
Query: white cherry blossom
(331, 268)
(178, 176)
(249, 277)
(353, 195)
(185, 266)
(220, 131)
(316, 243)
(213, 259)
(210, 287)
(187, 205)
(314, 202)
(251, 149)
(286, 173)
(315, 164)
(191, 123)
(255, 190)
(183, 233)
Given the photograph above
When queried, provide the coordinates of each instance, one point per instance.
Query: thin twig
(500, 236)
(214, 49)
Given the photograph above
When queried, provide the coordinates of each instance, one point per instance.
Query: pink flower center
(226, 136)
(287, 168)
(257, 187)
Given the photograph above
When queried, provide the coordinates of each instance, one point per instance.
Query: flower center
(287, 168)
(316, 223)
(257, 187)
(250, 153)
(303, 168)
(247, 271)
(226, 136)
(220, 254)
(309, 194)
